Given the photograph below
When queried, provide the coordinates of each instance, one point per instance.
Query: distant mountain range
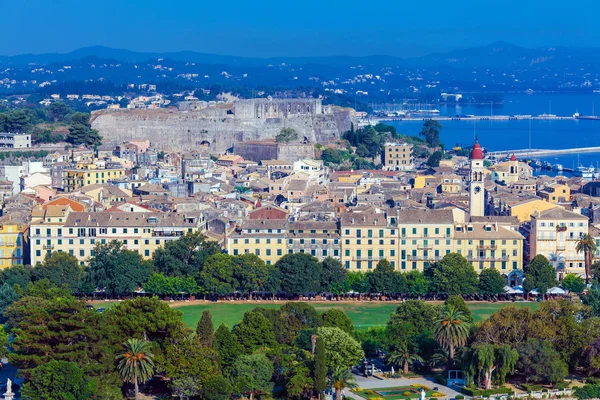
(496, 55)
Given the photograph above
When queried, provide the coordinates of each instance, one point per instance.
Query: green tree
(491, 282)
(217, 387)
(81, 131)
(218, 277)
(539, 274)
(482, 360)
(509, 325)
(539, 362)
(573, 283)
(60, 269)
(300, 273)
(205, 330)
(404, 356)
(252, 274)
(434, 159)
(320, 368)
(184, 256)
(587, 245)
(254, 331)
(460, 304)
(417, 284)
(185, 387)
(17, 275)
(118, 270)
(61, 328)
(384, 279)
(417, 315)
(431, 132)
(286, 135)
(362, 150)
(8, 295)
(136, 363)
(332, 274)
(451, 331)
(454, 275)
(340, 379)
(59, 380)
(252, 374)
(335, 318)
(227, 346)
(342, 350)
(57, 111)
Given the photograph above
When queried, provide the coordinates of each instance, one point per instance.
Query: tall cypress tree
(205, 329)
(227, 346)
(320, 371)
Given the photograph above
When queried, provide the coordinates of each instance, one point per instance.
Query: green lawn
(397, 393)
(363, 314)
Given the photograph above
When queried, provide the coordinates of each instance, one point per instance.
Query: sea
(515, 134)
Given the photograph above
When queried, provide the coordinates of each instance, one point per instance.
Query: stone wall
(269, 150)
(176, 130)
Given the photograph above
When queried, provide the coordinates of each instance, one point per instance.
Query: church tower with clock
(476, 184)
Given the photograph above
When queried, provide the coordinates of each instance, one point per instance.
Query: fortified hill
(222, 126)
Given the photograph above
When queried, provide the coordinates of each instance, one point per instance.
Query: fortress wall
(186, 130)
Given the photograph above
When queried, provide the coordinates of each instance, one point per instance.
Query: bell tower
(476, 186)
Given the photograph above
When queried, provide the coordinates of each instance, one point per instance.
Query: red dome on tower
(477, 153)
(513, 158)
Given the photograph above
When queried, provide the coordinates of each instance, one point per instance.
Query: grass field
(363, 315)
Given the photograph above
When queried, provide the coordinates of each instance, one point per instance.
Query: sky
(267, 28)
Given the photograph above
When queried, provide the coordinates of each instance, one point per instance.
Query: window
(82, 253)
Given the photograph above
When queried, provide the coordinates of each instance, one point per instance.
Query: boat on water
(585, 172)
(546, 165)
(535, 163)
(557, 167)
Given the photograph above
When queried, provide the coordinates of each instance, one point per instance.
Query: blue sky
(294, 27)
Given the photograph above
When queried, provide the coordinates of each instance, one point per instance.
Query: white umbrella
(556, 290)
(516, 290)
(534, 292)
(507, 289)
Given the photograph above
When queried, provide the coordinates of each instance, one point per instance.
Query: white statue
(422, 394)
(393, 371)
(8, 386)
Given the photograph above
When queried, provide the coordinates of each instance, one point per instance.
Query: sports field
(363, 314)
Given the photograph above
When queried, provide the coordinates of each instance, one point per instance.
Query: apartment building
(74, 179)
(264, 237)
(414, 239)
(398, 156)
(60, 229)
(554, 234)
(13, 241)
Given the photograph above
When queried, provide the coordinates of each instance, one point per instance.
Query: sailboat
(584, 172)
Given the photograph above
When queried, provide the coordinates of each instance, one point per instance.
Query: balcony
(487, 247)
(485, 259)
(549, 239)
(48, 247)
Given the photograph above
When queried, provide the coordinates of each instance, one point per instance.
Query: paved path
(374, 383)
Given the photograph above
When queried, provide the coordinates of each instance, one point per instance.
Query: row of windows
(93, 231)
(93, 241)
(279, 252)
(370, 264)
(403, 231)
(570, 224)
(82, 252)
(280, 241)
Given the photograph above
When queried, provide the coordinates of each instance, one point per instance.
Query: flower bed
(397, 393)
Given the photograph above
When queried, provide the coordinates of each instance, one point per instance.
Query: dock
(524, 153)
(372, 120)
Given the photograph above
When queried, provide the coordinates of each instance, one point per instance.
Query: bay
(514, 134)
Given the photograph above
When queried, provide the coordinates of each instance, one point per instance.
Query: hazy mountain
(499, 54)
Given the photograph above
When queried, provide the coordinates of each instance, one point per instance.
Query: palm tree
(587, 245)
(341, 378)
(136, 363)
(451, 331)
(404, 356)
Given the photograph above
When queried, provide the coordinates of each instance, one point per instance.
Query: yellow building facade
(13, 242)
(77, 233)
(76, 178)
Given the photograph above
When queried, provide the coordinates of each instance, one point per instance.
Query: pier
(522, 153)
(372, 120)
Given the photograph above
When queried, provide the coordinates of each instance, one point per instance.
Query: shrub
(588, 392)
(561, 385)
(407, 394)
(469, 391)
(459, 397)
(441, 379)
(532, 387)
(438, 394)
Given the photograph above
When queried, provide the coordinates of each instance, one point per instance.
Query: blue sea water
(514, 134)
